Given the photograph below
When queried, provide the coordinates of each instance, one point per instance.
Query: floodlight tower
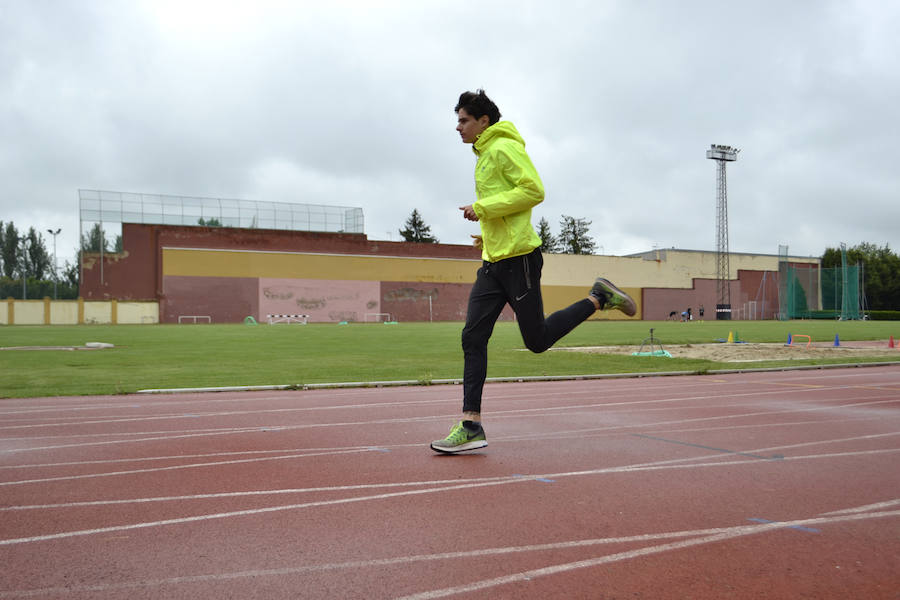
(722, 154)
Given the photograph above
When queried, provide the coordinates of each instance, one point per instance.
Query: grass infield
(196, 356)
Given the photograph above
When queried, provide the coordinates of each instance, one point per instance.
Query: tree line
(26, 265)
(572, 238)
(881, 272)
(27, 270)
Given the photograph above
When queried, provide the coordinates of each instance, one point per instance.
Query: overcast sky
(351, 104)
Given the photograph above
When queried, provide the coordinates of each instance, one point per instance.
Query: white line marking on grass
(701, 535)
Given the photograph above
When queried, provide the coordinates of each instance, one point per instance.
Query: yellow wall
(663, 268)
(565, 279)
(297, 265)
(68, 312)
(557, 297)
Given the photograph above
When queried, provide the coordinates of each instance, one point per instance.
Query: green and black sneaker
(465, 435)
(611, 297)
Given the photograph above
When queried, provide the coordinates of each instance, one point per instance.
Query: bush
(883, 315)
(36, 289)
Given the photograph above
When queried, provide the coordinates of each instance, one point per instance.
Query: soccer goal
(194, 319)
(378, 317)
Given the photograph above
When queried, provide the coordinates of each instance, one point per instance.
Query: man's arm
(527, 191)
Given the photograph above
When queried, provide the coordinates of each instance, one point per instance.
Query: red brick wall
(136, 273)
(223, 299)
(408, 301)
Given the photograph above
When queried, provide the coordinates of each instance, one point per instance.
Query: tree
(39, 261)
(549, 244)
(573, 236)
(213, 222)
(10, 250)
(881, 272)
(94, 240)
(416, 230)
(71, 274)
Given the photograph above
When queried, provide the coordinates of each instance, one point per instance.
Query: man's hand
(469, 212)
(477, 241)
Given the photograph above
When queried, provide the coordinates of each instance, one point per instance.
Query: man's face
(469, 127)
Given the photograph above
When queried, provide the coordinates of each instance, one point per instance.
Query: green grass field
(176, 356)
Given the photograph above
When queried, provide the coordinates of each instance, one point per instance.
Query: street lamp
(55, 268)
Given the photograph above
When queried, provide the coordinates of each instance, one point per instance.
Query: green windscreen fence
(815, 293)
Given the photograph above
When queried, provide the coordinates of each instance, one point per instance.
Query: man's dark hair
(477, 104)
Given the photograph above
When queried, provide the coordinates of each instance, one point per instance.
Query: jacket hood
(500, 129)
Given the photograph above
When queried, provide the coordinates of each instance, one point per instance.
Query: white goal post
(378, 317)
(194, 319)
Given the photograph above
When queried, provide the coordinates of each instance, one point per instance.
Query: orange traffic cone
(891, 343)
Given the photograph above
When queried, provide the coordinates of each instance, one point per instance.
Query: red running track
(755, 485)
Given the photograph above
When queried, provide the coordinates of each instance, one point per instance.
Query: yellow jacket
(508, 187)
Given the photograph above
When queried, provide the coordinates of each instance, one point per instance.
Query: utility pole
(722, 154)
(55, 268)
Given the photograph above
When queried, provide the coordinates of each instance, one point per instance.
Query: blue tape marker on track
(797, 527)
(723, 450)
(541, 479)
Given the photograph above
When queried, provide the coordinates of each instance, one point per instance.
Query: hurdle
(272, 319)
(797, 335)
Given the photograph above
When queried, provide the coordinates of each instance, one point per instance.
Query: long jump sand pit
(749, 352)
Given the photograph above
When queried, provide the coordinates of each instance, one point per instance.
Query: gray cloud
(350, 103)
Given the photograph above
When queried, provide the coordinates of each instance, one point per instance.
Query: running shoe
(461, 438)
(612, 297)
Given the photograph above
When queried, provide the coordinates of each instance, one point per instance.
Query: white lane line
(315, 490)
(253, 512)
(498, 414)
(866, 508)
(800, 445)
(466, 486)
(109, 461)
(187, 466)
(702, 535)
(621, 427)
(370, 448)
(701, 397)
(620, 556)
(653, 466)
(288, 450)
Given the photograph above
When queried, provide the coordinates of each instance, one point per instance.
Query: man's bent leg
(538, 332)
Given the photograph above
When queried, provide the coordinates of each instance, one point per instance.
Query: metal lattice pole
(723, 266)
(722, 154)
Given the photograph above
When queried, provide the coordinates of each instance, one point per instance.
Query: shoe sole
(461, 448)
(629, 301)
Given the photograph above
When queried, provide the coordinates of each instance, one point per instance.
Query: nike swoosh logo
(522, 296)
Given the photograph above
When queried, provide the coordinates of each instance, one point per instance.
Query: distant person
(689, 315)
(701, 312)
(507, 187)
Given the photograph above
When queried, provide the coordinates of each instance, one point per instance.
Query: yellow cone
(730, 337)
